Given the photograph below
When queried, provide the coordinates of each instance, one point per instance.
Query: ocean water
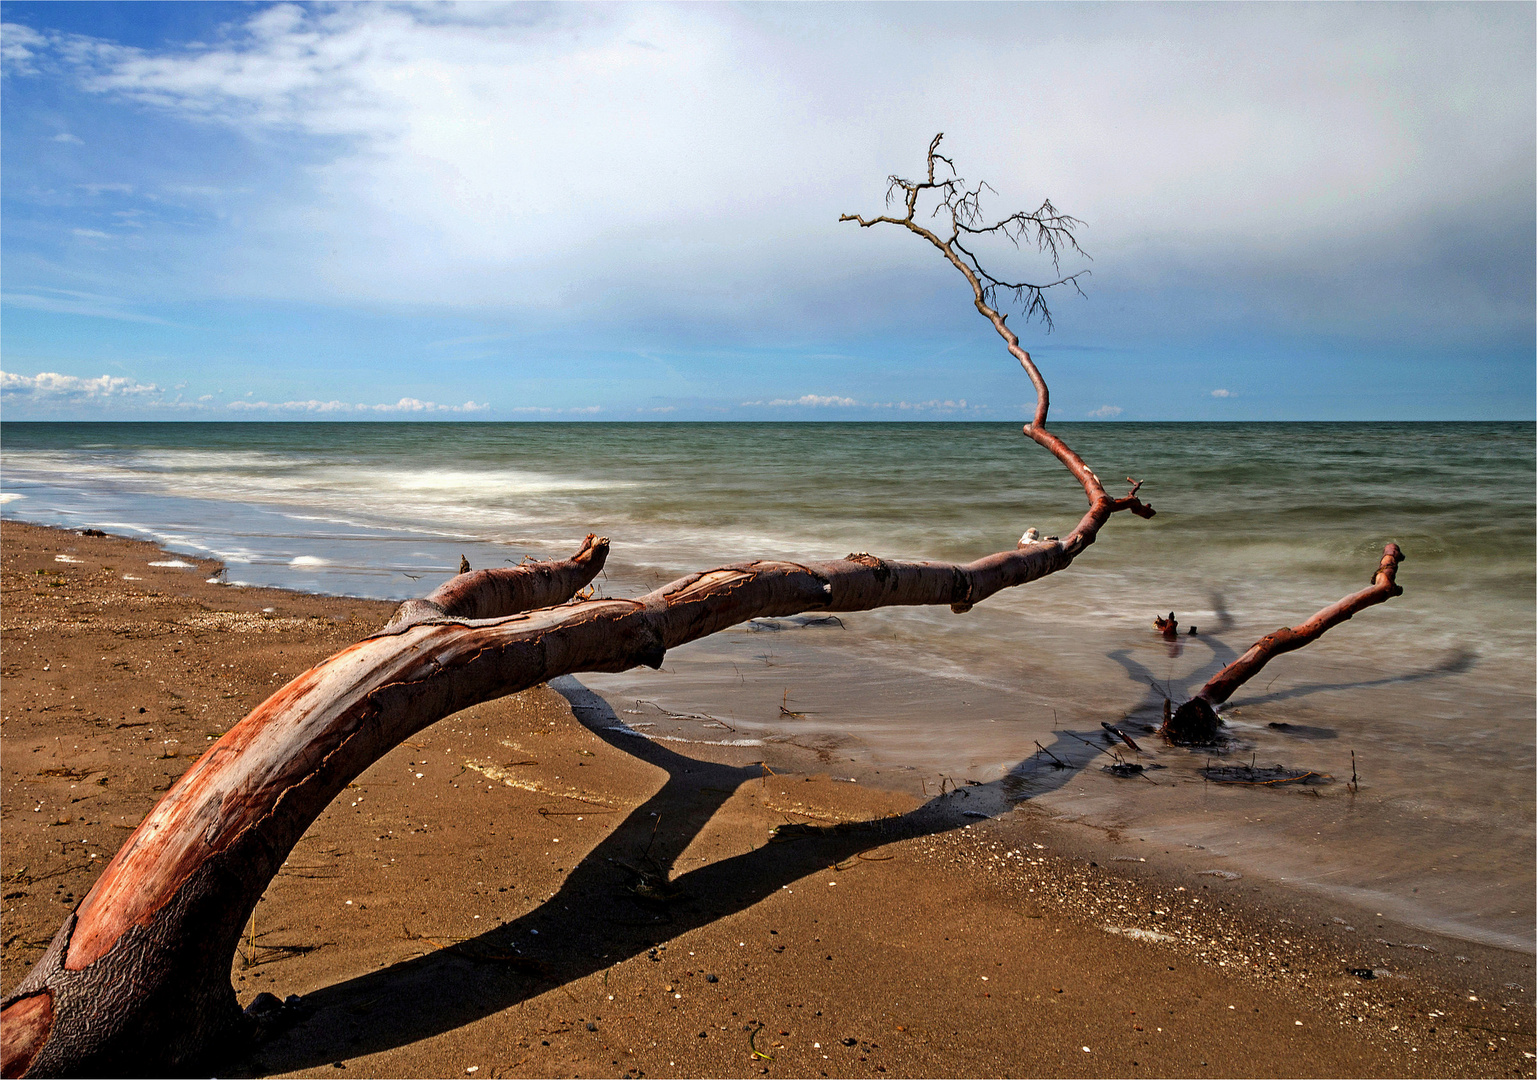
(1258, 526)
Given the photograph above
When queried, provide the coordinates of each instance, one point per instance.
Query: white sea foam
(10, 496)
(625, 729)
(307, 560)
(172, 562)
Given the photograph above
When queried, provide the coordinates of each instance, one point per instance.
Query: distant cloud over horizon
(404, 405)
(814, 401)
(50, 385)
(106, 390)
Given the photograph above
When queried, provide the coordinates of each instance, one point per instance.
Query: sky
(231, 211)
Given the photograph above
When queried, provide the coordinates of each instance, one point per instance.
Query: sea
(1411, 727)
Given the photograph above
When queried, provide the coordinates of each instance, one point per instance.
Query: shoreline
(401, 942)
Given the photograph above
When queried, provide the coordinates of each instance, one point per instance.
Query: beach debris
(974, 813)
(1225, 875)
(1121, 735)
(1056, 762)
(771, 625)
(785, 710)
(92, 532)
(1032, 535)
(1195, 723)
(268, 1014)
(1108, 753)
(651, 886)
(1261, 776)
(1123, 769)
(752, 1044)
(1137, 934)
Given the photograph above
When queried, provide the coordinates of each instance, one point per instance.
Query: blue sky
(372, 211)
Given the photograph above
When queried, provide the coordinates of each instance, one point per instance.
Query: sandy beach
(523, 891)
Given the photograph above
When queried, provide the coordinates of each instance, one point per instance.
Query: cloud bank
(590, 155)
(49, 388)
(71, 389)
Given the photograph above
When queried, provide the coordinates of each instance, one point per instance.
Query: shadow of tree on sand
(620, 901)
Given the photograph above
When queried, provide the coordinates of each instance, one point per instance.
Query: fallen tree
(137, 979)
(1195, 723)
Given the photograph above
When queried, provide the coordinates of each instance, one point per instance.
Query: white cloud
(813, 401)
(317, 407)
(830, 401)
(92, 234)
(476, 152)
(49, 387)
(1223, 394)
(1106, 412)
(51, 390)
(544, 410)
(19, 46)
(66, 137)
(932, 405)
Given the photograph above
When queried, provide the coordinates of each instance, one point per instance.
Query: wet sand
(522, 891)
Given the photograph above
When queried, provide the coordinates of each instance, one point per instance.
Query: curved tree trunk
(1195, 722)
(137, 978)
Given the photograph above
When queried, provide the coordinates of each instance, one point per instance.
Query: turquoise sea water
(1258, 525)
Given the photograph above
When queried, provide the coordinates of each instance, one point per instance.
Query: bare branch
(1052, 232)
(1195, 722)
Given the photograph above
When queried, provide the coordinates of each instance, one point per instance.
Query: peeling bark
(1195, 723)
(138, 975)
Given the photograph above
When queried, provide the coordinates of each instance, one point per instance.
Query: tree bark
(137, 979)
(1195, 723)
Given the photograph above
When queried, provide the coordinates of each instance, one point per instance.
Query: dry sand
(520, 892)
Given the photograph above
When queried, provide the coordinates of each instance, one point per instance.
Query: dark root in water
(1194, 723)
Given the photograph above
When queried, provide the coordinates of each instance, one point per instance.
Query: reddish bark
(1196, 723)
(27, 1023)
(137, 978)
(139, 973)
